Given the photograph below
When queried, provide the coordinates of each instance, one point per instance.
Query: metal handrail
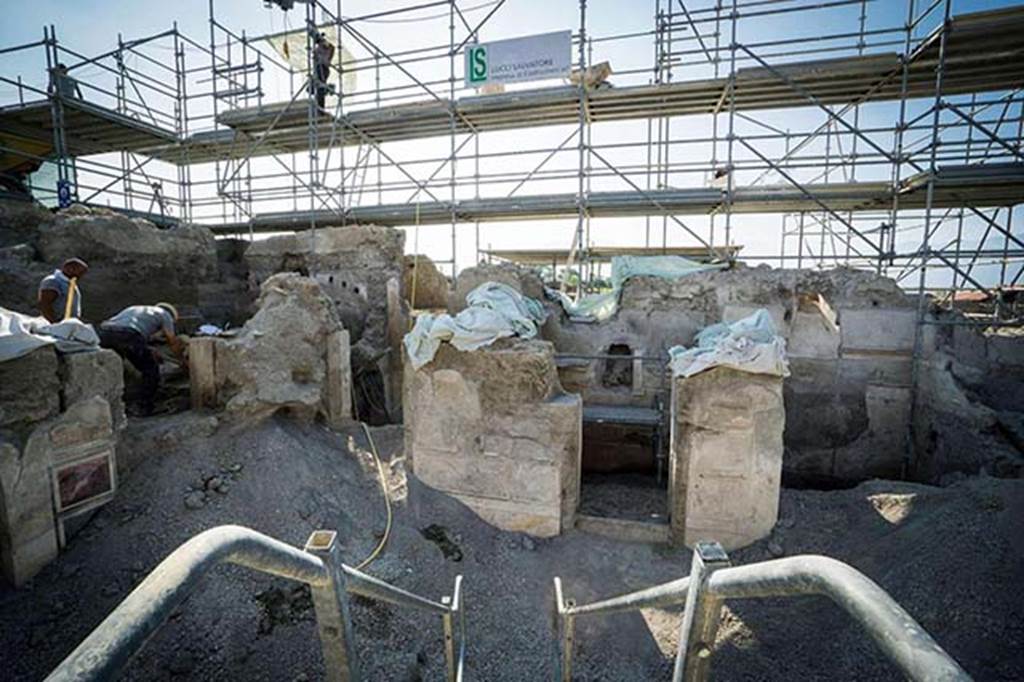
(712, 581)
(122, 634)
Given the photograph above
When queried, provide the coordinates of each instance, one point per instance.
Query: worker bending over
(129, 333)
(59, 295)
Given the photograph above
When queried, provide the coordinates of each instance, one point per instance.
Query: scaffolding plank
(979, 185)
(88, 128)
(983, 53)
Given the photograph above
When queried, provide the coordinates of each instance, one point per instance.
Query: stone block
(878, 329)
(397, 324)
(338, 381)
(514, 517)
(29, 388)
(500, 475)
(737, 311)
(202, 371)
(485, 428)
(813, 335)
(726, 457)
(28, 538)
(857, 370)
(98, 372)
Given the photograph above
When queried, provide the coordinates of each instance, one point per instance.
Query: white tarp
(494, 311)
(749, 345)
(21, 334)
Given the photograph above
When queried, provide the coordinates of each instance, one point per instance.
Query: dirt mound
(954, 557)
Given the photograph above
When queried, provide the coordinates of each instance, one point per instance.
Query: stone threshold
(655, 532)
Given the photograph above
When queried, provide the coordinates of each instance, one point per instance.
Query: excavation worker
(59, 294)
(61, 83)
(129, 333)
(323, 54)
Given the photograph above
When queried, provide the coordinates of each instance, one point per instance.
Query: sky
(91, 27)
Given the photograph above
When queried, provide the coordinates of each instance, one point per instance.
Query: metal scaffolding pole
(923, 297)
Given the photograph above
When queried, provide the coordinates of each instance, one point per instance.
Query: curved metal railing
(712, 581)
(120, 636)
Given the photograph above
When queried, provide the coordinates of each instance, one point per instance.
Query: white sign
(548, 55)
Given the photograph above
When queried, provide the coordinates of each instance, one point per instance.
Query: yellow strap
(72, 292)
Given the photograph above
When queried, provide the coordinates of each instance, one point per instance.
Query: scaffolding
(876, 134)
(905, 155)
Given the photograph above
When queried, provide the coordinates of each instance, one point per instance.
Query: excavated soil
(954, 557)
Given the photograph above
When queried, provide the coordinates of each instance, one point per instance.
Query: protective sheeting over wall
(495, 311)
(22, 334)
(750, 344)
(624, 268)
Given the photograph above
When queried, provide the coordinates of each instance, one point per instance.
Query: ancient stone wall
(849, 337)
(56, 410)
(725, 466)
(131, 262)
(292, 355)
(354, 266)
(493, 428)
(969, 415)
(424, 285)
(524, 281)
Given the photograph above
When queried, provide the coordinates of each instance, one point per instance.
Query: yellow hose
(387, 501)
(72, 290)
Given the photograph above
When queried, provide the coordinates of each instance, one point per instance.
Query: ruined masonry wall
(849, 336)
(54, 408)
(493, 428)
(131, 262)
(725, 469)
(292, 354)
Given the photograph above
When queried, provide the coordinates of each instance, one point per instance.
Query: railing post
(700, 616)
(454, 602)
(565, 630)
(332, 613)
(449, 642)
